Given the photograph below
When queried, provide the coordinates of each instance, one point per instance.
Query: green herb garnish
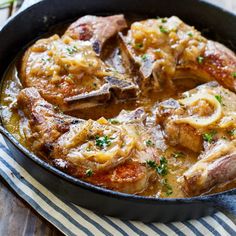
(234, 74)
(45, 60)
(138, 45)
(208, 137)
(232, 132)
(144, 57)
(167, 187)
(151, 164)
(89, 172)
(200, 59)
(149, 143)
(163, 30)
(72, 50)
(102, 142)
(114, 121)
(190, 34)
(219, 98)
(162, 169)
(178, 154)
(163, 20)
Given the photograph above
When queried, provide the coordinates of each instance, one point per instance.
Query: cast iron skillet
(38, 19)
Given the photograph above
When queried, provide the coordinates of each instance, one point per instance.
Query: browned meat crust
(219, 64)
(68, 73)
(107, 155)
(96, 29)
(215, 140)
(167, 49)
(190, 136)
(217, 166)
(47, 122)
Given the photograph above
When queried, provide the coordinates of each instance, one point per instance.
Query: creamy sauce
(177, 164)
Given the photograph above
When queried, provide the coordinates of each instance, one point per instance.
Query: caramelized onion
(120, 141)
(197, 121)
(228, 121)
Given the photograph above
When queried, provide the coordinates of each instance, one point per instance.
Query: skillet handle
(225, 201)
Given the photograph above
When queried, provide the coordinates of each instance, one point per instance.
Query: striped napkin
(74, 220)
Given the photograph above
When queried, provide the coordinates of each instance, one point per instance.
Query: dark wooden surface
(17, 218)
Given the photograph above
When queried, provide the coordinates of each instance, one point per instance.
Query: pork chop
(203, 120)
(67, 71)
(109, 155)
(203, 114)
(96, 29)
(216, 166)
(166, 49)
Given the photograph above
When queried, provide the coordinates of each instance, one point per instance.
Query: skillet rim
(87, 185)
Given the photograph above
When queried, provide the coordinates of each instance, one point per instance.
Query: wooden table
(16, 216)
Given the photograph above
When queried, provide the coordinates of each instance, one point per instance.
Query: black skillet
(37, 20)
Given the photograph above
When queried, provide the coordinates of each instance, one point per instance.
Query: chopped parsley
(149, 143)
(178, 154)
(163, 20)
(163, 30)
(208, 137)
(169, 190)
(114, 121)
(88, 149)
(200, 59)
(232, 132)
(151, 164)
(219, 98)
(89, 172)
(138, 45)
(72, 50)
(45, 60)
(167, 187)
(102, 142)
(144, 57)
(234, 74)
(190, 34)
(162, 168)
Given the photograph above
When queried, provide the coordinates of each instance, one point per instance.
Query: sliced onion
(197, 121)
(228, 120)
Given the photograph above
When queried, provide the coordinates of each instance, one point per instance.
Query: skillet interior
(70, 188)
